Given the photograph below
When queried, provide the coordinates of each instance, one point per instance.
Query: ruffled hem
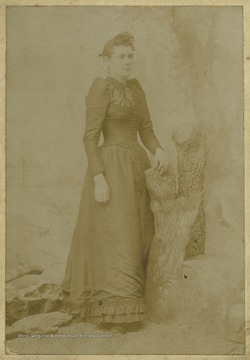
(113, 310)
(124, 318)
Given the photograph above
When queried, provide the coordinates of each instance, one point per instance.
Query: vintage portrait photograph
(125, 180)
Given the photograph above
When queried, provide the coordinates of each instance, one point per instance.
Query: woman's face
(121, 61)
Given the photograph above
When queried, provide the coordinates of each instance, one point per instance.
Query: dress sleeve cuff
(97, 171)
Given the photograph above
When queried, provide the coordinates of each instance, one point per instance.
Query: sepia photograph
(125, 220)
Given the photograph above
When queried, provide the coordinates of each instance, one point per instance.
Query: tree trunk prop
(190, 147)
(174, 217)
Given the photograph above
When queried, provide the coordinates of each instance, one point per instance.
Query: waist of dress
(124, 144)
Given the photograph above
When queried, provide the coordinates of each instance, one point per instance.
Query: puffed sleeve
(146, 130)
(96, 101)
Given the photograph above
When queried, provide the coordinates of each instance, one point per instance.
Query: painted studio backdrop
(189, 62)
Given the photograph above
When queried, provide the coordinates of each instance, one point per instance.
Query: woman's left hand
(160, 162)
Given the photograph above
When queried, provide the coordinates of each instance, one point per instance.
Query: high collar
(117, 82)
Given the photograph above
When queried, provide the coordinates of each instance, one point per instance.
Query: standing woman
(106, 267)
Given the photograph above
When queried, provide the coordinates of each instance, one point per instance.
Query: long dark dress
(105, 272)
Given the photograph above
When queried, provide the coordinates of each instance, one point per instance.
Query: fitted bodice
(123, 114)
(120, 112)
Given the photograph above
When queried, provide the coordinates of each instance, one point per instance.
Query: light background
(52, 60)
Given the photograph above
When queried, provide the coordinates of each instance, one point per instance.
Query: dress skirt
(106, 267)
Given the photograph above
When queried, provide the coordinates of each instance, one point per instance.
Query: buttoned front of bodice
(120, 129)
(123, 115)
(120, 112)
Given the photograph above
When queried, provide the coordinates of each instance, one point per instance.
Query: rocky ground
(175, 339)
(39, 229)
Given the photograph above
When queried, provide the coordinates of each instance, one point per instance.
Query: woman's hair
(122, 39)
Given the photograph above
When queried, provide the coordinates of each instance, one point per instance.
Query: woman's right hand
(101, 189)
(160, 162)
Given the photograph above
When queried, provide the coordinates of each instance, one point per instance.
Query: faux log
(22, 270)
